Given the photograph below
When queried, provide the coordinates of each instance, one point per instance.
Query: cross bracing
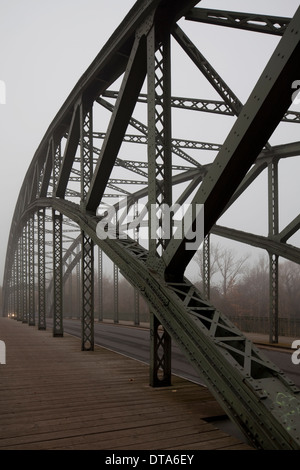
(71, 175)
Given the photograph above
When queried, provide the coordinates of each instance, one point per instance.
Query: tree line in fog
(241, 288)
(238, 288)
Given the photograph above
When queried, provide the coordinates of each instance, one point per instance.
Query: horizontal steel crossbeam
(247, 21)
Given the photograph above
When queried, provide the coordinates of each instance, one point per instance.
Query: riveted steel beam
(57, 274)
(100, 284)
(206, 267)
(274, 245)
(86, 146)
(65, 166)
(41, 270)
(209, 72)
(247, 21)
(254, 126)
(24, 276)
(159, 186)
(159, 140)
(31, 273)
(273, 258)
(87, 297)
(19, 273)
(160, 354)
(130, 89)
(290, 230)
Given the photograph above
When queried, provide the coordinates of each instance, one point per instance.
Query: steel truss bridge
(80, 167)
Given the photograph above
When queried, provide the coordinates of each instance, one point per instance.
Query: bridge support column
(24, 275)
(78, 287)
(41, 271)
(57, 275)
(160, 188)
(136, 292)
(160, 354)
(100, 284)
(16, 302)
(273, 308)
(20, 281)
(31, 283)
(116, 294)
(87, 297)
(87, 245)
(273, 231)
(159, 146)
(206, 267)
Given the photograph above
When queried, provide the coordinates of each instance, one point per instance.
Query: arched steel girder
(275, 246)
(243, 381)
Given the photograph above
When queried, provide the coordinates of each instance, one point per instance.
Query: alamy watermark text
(161, 222)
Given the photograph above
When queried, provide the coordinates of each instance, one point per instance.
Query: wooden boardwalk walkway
(54, 396)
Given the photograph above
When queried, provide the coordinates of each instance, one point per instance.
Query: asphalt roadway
(134, 342)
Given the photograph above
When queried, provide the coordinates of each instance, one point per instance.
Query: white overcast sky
(46, 45)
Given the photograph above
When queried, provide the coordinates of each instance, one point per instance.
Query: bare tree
(223, 262)
(230, 268)
(213, 268)
(289, 294)
(254, 288)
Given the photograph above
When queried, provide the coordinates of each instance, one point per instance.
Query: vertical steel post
(87, 283)
(136, 307)
(273, 259)
(136, 292)
(16, 277)
(78, 287)
(100, 284)
(70, 284)
(24, 274)
(206, 267)
(86, 149)
(41, 271)
(20, 280)
(56, 165)
(159, 184)
(159, 145)
(273, 316)
(87, 245)
(160, 356)
(8, 304)
(57, 274)
(31, 283)
(116, 294)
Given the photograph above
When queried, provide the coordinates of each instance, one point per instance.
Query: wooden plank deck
(54, 396)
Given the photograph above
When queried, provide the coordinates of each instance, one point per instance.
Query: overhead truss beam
(247, 21)
(254, 126)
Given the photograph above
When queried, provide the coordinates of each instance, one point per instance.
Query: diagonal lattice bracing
(57, 275)
(87, 298)
(31, 273)
(41, 271)
(159, 136)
